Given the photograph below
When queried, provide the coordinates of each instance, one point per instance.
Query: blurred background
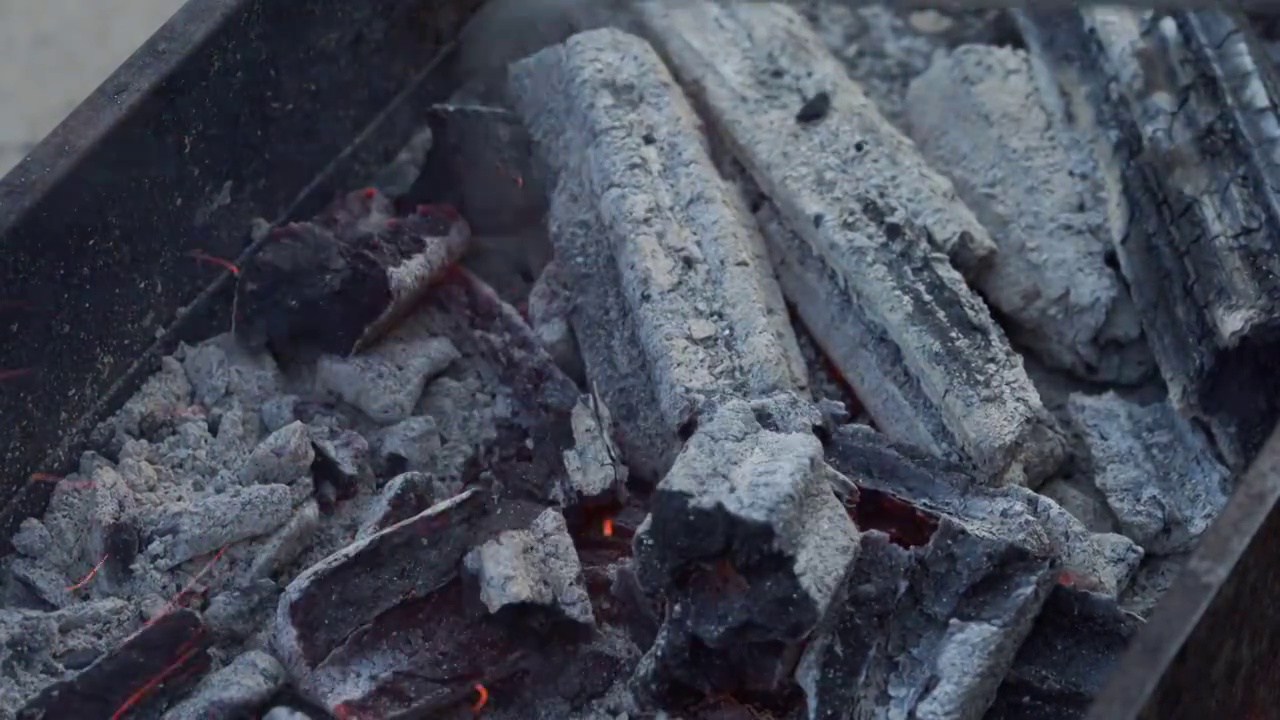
(53, 53)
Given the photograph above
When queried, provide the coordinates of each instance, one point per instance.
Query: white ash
(595, 468)
(386, 382)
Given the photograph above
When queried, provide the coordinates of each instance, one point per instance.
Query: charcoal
(342, 461)
(924, 632)
(238, 689)
(1156, 472)
(287, 543)
(235, 614)
(45, 582)
(550, 307)
(335, 597)
(1185, 105)
(220, 368)
(282, 457)
(386, 382)
(337, 283)
(219, 520)
(403, 497)
(537, 566)
(909, 491)
(695, 290)
(33, 539)
(167, 657)
(977, 115)
(279, 411)
(870, 210)
(596, 472)
(1064, 662)
(410, 445)
(749, 544)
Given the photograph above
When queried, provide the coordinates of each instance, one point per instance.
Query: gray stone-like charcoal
(856, 191)
(597, 474)
(536, 566)
(606, 115)
(978, 116)
(1155, 471)
(749, 543)
(1184, 104)
(925, 632)
(219, 520)
(904, 492)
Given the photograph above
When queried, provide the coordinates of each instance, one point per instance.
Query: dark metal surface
(234, 109)
(1211, 649)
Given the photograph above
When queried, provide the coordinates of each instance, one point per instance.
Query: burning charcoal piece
(1015, 515)
(596, 472)
(1187, 101)
(927, 632)
(159, 663)
(342, 461)
(337, 283)
(1065, 660)
(236, 614)
(343, 592)
(863, 175)
(1157, 474)
(696, 292)
(977, 115)
(534, 567)
(749, 544)
(236, 690)
(219, 520)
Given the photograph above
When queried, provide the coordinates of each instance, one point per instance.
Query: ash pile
(736, 360)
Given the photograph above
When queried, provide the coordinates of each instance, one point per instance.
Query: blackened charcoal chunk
(165, 658)
(927, 632)
(1066, 659)
(749, 544)
(337, 283)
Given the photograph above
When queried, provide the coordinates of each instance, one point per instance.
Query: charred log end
(307, 290)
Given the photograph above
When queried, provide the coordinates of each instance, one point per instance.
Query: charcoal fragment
(234, 691)
(219, 520)
(337, 283)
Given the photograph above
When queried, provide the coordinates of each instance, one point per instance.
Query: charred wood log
(1186, 102)
(874, 221)
(636, 190)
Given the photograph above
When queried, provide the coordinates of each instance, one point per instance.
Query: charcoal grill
(244, 108)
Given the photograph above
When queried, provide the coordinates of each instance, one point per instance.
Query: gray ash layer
(634, 496)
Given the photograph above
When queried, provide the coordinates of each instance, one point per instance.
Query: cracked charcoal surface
(877, 231)
(603, 111)
(1156, 472)
(977, 115)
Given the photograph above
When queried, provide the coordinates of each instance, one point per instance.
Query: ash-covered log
(338, 283)
(874, 217)
(750, 547)
(1186, 102)
(639, 204)
(978, 116)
